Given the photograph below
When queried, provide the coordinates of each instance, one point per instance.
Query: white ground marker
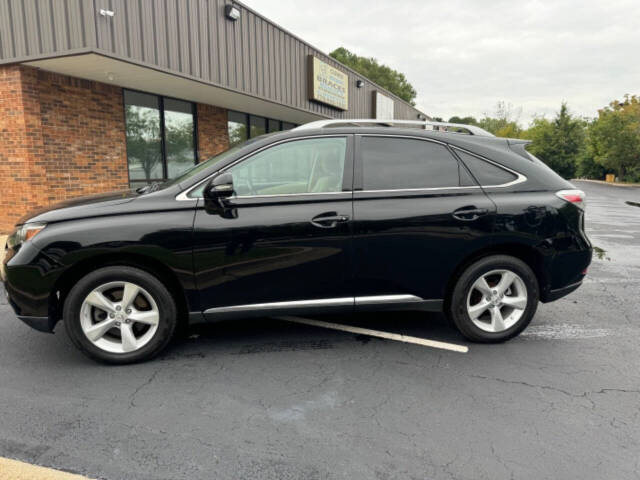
(377, 333)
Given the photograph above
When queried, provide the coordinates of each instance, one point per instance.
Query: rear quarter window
(486, 173)
(403, 163)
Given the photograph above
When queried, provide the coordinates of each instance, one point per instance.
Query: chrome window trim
(324, 302)
(276, 195)
(520, 177)
(429, 189)
(184, 195)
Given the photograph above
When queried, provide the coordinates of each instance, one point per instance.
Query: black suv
(308, 221)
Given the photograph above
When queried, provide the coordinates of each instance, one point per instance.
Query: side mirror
(219, 188)
(216, 194)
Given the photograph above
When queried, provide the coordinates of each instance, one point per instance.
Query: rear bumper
(561, 292)
(566, 274)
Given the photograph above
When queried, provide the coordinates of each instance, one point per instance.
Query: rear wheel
(120, 315)
(494, 299)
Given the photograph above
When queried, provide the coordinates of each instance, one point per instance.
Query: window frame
(347, 177)
(519, 177)
(163, 148)
(359, 171)
(359, 166)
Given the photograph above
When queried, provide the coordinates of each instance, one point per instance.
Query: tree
(504, 123)
(559, 142)
(614, 138)
(383, 75)
(143, 141)
(464, 120)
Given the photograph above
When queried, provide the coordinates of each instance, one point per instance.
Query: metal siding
(45, 17)
(32, 34)
(6, 42)
(190, 37)
(18, 22)
(119, 27)
(247, 53)
(221, 26)
(203, 39)
(182, 18)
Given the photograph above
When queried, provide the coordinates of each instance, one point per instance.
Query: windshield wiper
(155, 186)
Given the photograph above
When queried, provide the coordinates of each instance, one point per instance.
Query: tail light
(577, 197)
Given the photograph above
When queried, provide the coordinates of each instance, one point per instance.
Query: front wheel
(494, 299)
(120, 315)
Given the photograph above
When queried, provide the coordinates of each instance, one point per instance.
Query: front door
(417, 214)
(287, 244)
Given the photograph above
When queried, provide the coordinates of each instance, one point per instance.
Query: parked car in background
(355, 217)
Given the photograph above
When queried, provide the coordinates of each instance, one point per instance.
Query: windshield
(196, 169)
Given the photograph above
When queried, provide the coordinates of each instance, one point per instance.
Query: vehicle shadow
(258, 335)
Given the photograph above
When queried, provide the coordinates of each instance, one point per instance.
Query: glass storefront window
(242, 126)
(160, 134)
(144, 141)
(178, 136)
(274, 125)
(258, 126)
(237, 127)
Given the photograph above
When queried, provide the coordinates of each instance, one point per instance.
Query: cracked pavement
(268, 399)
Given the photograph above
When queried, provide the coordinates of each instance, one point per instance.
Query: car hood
(93, 205)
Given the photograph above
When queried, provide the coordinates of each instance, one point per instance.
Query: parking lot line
(15, 470)
(377, 333)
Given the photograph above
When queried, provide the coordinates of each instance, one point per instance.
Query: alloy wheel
(497, 300)
(119, 317)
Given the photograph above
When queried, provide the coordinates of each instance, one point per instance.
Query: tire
(126, 334)
(497, 316)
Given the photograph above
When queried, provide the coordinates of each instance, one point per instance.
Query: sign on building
(382, 106)
(328, 84)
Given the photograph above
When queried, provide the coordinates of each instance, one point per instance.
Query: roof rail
(437, 126)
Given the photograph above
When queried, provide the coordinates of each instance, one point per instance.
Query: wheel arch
(528, 254)
(164, 274)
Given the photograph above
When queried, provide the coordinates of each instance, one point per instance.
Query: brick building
(100, 95)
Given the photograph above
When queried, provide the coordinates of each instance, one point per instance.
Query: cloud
(464, 56)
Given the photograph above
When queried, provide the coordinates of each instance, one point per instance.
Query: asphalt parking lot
(269, 399)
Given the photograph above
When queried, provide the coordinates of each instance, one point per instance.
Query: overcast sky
(464, 56)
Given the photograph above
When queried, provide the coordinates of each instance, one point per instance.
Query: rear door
(417, 215)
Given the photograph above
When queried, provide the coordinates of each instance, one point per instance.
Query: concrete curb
(627, 185)
(15, 470)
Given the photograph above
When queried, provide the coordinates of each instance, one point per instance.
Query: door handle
(328, 220)
(467, 214)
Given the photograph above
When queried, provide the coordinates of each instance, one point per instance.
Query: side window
(302, 166)
(402, 163)
(486, 173)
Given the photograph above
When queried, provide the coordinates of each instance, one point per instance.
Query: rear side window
(402, 163)
(486, 173)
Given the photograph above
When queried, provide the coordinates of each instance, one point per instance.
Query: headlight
(24, 232)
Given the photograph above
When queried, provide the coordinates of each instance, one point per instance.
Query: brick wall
(84, 136)
(63, 137)
(213, 137)
(21, 146)
(60, 137)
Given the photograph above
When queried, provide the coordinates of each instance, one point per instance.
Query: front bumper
(29, 279)
(42, 324)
